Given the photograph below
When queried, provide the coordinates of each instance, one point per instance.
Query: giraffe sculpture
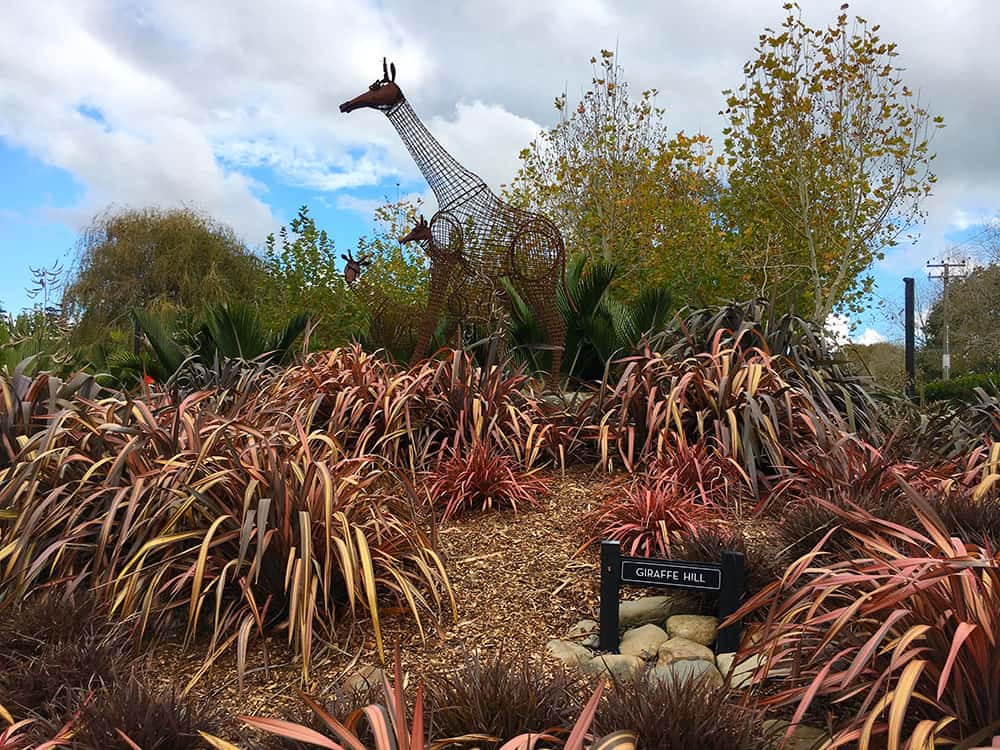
(467, 296)
(474, 233)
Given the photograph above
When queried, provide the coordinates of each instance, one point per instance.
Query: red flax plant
(848, 472)
(28, 402)
(494, 403)
(683, 492)
(980, 471)
(393, 729)
(902, 631)
(482, 479)
(733, 394)
(180, 515)
(409, 416)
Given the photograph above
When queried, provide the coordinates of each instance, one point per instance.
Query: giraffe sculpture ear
(392, 70)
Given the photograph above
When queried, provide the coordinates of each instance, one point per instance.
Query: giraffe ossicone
(474, 235)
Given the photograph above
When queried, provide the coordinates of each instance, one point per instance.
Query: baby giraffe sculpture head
(353, 267)
(382, 95)
(421, 232)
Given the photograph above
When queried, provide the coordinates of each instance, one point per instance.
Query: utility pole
(908, 355)
(946, 275)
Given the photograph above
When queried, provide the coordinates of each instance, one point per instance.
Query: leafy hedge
(962, 388)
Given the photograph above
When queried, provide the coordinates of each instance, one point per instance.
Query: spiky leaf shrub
(499, 697)
(54, 649)
(393, 728)
(901, 627)
(844, 471)
(682, 492)
(408, 416)
(976, 521)
(943, 430)
(481, 479)
(30, 734)
(979, 472)
(27, 402)
(130, 715)
(672, 714)
(179, 513)
(734, 395)
(804, 354)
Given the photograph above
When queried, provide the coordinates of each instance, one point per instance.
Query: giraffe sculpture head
(421, 232)
(382, 95)
(353, 267)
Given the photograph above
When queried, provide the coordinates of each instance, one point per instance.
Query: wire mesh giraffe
(468, 297)
(474, 233)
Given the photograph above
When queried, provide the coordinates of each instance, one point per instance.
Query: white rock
(681, 649)
(583, 629)
(740, 674)
(570, 654)
(643, 641)
(620, 666)
(649, 609)
(689, 669)
(698, 628)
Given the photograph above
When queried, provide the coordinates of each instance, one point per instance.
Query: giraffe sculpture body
(474, 235)
(468, 296)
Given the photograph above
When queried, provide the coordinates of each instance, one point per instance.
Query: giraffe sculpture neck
(450, 181)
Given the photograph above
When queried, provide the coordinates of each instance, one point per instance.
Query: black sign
(724, 577)
(685, 575)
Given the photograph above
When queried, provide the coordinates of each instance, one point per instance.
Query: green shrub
(962, 388)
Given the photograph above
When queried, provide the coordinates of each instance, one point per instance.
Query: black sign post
(724, 578)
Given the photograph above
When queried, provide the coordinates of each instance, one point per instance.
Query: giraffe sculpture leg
(441, 273)
(541, 298)
(536, 260)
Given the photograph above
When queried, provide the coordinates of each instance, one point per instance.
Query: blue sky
(232, 107)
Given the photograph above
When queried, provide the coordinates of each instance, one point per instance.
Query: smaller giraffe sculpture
(455, 286)
(473, 231)
(353, 267)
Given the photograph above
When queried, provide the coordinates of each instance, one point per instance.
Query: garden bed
(518, 581)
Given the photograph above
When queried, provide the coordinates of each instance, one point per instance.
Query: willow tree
(829, 161)
(166, 260)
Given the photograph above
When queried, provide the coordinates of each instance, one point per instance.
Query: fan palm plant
(231, 332)
(597, 325)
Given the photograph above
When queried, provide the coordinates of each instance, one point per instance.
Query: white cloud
(366, 207)
(869, 337)
(838, 329)
(486, 138)
(194, 94)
